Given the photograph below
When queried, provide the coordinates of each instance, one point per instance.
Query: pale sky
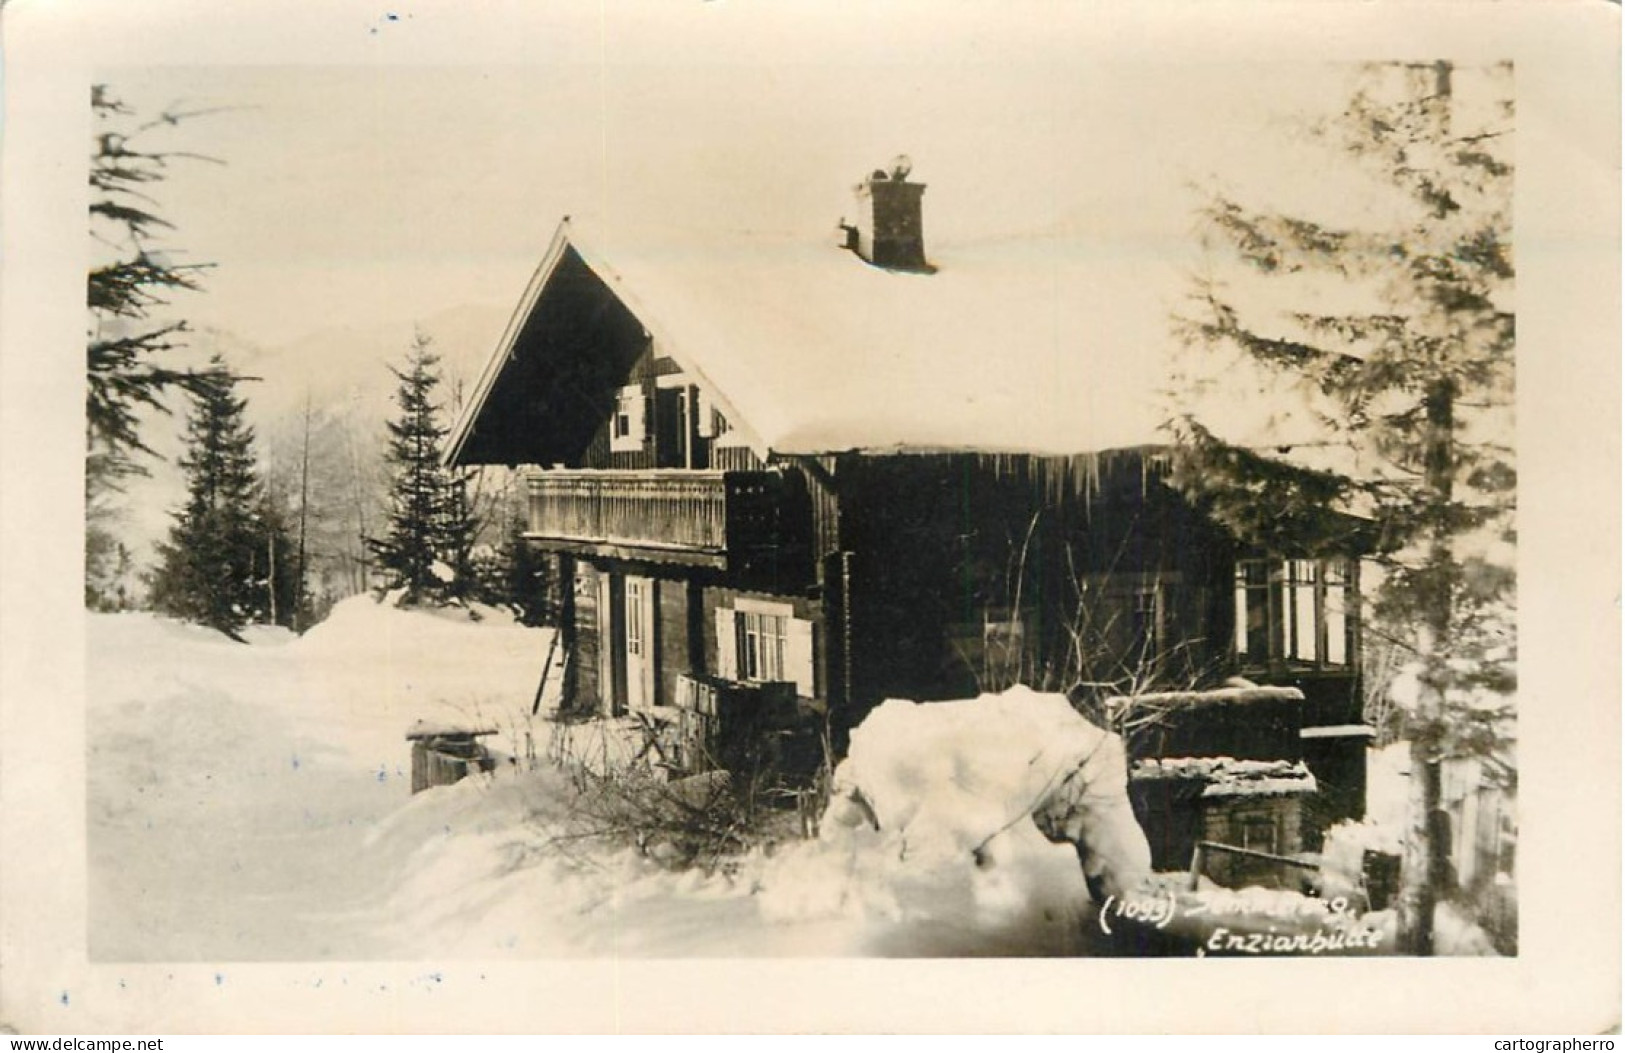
(383, 172)
(366, 194)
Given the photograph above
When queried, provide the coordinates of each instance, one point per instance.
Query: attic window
(627, 427)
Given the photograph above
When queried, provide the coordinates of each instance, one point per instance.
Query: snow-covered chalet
(790, 478)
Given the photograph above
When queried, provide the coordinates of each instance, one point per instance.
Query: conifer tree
(457, 530)
(130, 363)
(426, 552)
(285, 598)
(1406, 369)
(525, 574)
(214, 568)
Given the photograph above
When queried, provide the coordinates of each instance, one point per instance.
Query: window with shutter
(629, 425)
(761, 645)
(758, 644)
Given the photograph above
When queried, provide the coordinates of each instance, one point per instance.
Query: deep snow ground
(231, 787)
(251, 802)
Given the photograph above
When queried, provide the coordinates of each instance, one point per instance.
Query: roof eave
(565, 238)
(475, 406)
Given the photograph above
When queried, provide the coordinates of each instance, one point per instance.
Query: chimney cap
(897, 172)
(889, 229)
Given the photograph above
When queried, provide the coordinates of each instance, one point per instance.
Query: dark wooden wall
(587, 630)
(672, 599)
(944, 542)
(910, 555)
(670, 438)
(685, 635)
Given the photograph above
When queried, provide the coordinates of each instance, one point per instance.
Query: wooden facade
(845, 578)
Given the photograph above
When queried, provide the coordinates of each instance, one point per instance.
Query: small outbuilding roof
(1228, 777)
(435, 729)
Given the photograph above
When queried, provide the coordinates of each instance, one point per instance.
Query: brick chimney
(889, 232)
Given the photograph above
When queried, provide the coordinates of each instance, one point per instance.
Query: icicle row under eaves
(1060, 478)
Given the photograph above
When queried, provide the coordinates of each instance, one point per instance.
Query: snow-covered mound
(230, 785)
(951, 777)
(454, 665)
(933, 835)
(365, 621)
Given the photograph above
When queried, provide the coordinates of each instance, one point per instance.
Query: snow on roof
(1219, 696)
(1007, 347)
(436, 729)
(1228, 777)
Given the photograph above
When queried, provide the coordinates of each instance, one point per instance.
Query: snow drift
(251, 802)
(943, 828)
(230, 787)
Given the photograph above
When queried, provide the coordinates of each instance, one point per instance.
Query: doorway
(639, 641)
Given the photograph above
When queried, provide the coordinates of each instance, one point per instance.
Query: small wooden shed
(1222, 766)
(444, 753)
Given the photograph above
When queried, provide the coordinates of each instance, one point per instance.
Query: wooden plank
(680, 557)
(424, 730)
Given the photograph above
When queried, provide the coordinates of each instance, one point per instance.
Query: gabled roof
(807, 349)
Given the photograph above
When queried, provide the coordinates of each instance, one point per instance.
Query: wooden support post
(541, 685)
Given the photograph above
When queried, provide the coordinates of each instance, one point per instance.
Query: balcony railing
(681, 516)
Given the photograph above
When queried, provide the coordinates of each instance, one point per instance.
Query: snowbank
(230, 787)
(388, 667)
(253, 802)
(1228, 777)
(931, 842)
(492, 866)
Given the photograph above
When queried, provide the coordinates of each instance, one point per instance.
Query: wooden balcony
(695, 518)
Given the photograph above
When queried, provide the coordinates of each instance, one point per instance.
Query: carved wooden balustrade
(692, 517)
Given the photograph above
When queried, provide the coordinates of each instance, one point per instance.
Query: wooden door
(640, 643)
(671, 429)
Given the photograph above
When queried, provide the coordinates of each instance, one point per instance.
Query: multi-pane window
(1292, 612)
(761, 646)
(764, 642)
(634, 617)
